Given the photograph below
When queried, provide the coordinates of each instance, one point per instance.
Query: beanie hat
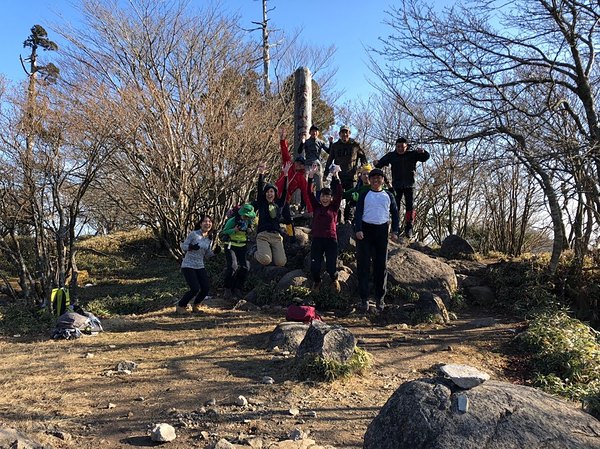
(270, 186)
(247, 210)
(401, 140)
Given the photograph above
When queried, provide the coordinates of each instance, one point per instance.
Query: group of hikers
(371, 205)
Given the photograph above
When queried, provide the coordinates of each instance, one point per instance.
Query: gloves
(355, 196)
(217, 249)
(193, 247)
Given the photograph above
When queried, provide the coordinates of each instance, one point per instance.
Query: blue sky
(348, 24)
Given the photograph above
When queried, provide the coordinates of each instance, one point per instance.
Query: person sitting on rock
(269, 241)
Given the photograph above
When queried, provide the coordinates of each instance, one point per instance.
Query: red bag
(306, 314)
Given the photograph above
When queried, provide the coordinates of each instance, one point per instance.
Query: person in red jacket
(296, 179)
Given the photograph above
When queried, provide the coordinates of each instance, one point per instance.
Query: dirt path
(50, 387)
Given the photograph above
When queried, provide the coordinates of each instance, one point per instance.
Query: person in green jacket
(234, 236)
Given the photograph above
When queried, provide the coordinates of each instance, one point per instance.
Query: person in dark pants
(373, 211)
(235, 238)
(197, 247)
(404, 164)
(349, 156)
(324, 230)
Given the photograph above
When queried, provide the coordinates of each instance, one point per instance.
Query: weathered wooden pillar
(302, 104)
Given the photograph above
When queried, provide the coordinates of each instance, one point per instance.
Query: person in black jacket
(349, 156)
(271, 213)
(403, 161)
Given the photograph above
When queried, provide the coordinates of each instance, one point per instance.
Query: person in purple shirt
(324, 230)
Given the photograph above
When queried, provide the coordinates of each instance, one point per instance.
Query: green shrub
(401, 294)
(321, 369)
(566, 357)
(23, 319)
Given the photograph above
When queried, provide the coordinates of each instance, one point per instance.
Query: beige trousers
(269, 248)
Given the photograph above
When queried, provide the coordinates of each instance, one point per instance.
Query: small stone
(268, 380)
(211, 402)
(297, 435)
(224, 444)
(311, 414)
(294, 411)
(89, 355)
(110, 405)
(140, 399)
(464, 376)
(126, 365)
(112, 346)
(241, 401)
(163, 433)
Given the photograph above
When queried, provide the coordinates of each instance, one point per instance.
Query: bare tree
(516, 84)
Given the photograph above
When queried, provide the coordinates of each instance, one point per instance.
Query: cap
(366, 167)
(344, 128)
(401, 140)
(376, 172)
(247, 210)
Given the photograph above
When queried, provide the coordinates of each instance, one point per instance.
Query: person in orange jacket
(296, 178)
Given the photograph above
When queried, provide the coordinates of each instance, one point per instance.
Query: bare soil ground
(50, 387)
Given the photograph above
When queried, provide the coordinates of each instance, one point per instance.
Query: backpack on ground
(72, 325)
(60, 301)
(305, 314)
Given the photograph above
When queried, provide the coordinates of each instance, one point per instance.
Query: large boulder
(287, 336)
(434, 414)
(296, 278)
(329, 342)
(455, 247)
(432, 307)
(419, 272)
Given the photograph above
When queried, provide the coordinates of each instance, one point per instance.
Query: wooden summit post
(302, 104)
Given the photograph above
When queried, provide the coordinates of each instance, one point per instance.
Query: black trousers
(323, 246)
(408, 194)
(373, 248)
(197, 280)
(237, 267)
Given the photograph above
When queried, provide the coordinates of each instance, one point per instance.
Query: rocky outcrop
(329, 342)
(421, 273)
(435, 414)
(455, 247)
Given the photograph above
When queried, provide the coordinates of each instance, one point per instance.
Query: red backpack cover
(306, 314)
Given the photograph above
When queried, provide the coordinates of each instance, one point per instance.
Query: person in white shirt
(374, 210)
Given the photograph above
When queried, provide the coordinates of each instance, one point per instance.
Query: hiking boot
(380, 305)
(196, 308)
(227, 294)
(335, 285)
(316, 287)
(179, 310)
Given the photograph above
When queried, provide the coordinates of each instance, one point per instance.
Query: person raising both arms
(269, 241)
(404, 164)
(312, 149)
(295, 175)
(324, 231)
